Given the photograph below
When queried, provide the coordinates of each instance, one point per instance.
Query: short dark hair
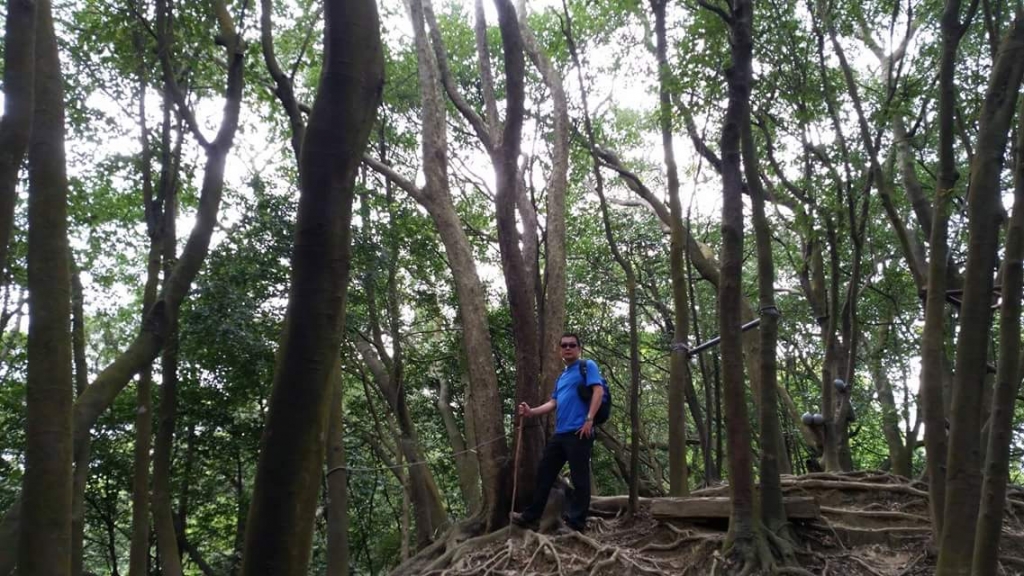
(573, 335)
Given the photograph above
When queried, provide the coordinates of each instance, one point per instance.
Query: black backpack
(586, 394)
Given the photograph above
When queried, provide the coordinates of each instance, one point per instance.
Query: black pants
(562, 448)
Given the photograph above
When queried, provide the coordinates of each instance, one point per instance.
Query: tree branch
(448, 80)
(397, 179)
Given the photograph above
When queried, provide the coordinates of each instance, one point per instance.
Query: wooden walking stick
(515, 472)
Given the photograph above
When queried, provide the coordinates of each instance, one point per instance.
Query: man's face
(570, 349)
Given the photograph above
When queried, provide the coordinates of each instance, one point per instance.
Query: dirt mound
(870, 524)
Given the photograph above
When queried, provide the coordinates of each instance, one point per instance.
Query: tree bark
(963, 474)
(997, 463)
(280, 526)
(45, 540)
(900, 451)
(337, 482)
(773, 512)
(522, 302)
(679, 370)
(743, 542)
(16, 124)
(163, 518)
(933, 338)
(138, 555)
(81, 473)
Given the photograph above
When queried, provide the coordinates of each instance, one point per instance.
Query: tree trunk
(997, 464)
(522, 303)
(963, 474)
(45, 548)
(428, 508)
(900, 453)
(634, 376)
(743, 543)
(163, 515)
(933, 337)
(16, 124)
(710, 440)
(280, 526)
(81, 474)
(466, 467)
(138, 556)
(337, 483)
(552, 298)
(773, 513)
(679, 370)
(436, 198)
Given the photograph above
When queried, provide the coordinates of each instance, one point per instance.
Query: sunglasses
(568, 344)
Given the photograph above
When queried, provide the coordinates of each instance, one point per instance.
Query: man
(573, 440)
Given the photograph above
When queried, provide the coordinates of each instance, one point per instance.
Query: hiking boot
(523, 522)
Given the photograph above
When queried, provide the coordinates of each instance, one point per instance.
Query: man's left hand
(587, 431)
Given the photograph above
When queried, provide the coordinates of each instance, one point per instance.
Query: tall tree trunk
(743, 544)
(45, 543)
(933, 338)
(280, 526)
(337, 482)
(963, 474)
(997, 463)
(16, 125)
(712, 448)
(679, 370)
(81, 474)
(773, 513)
(634, 372)
(138, 556)
(163, 513)
(522, 302)
(551, 300)
(487, 421)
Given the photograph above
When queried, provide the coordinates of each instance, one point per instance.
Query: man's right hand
(525, 410)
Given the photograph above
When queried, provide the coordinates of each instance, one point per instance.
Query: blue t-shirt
(572, 410)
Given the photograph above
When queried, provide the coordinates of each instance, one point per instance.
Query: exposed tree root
(881, 514)
(684, 538)
(874, 525)
(1013, 560)
(543, 543)
(847, 485)
(909, 568)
